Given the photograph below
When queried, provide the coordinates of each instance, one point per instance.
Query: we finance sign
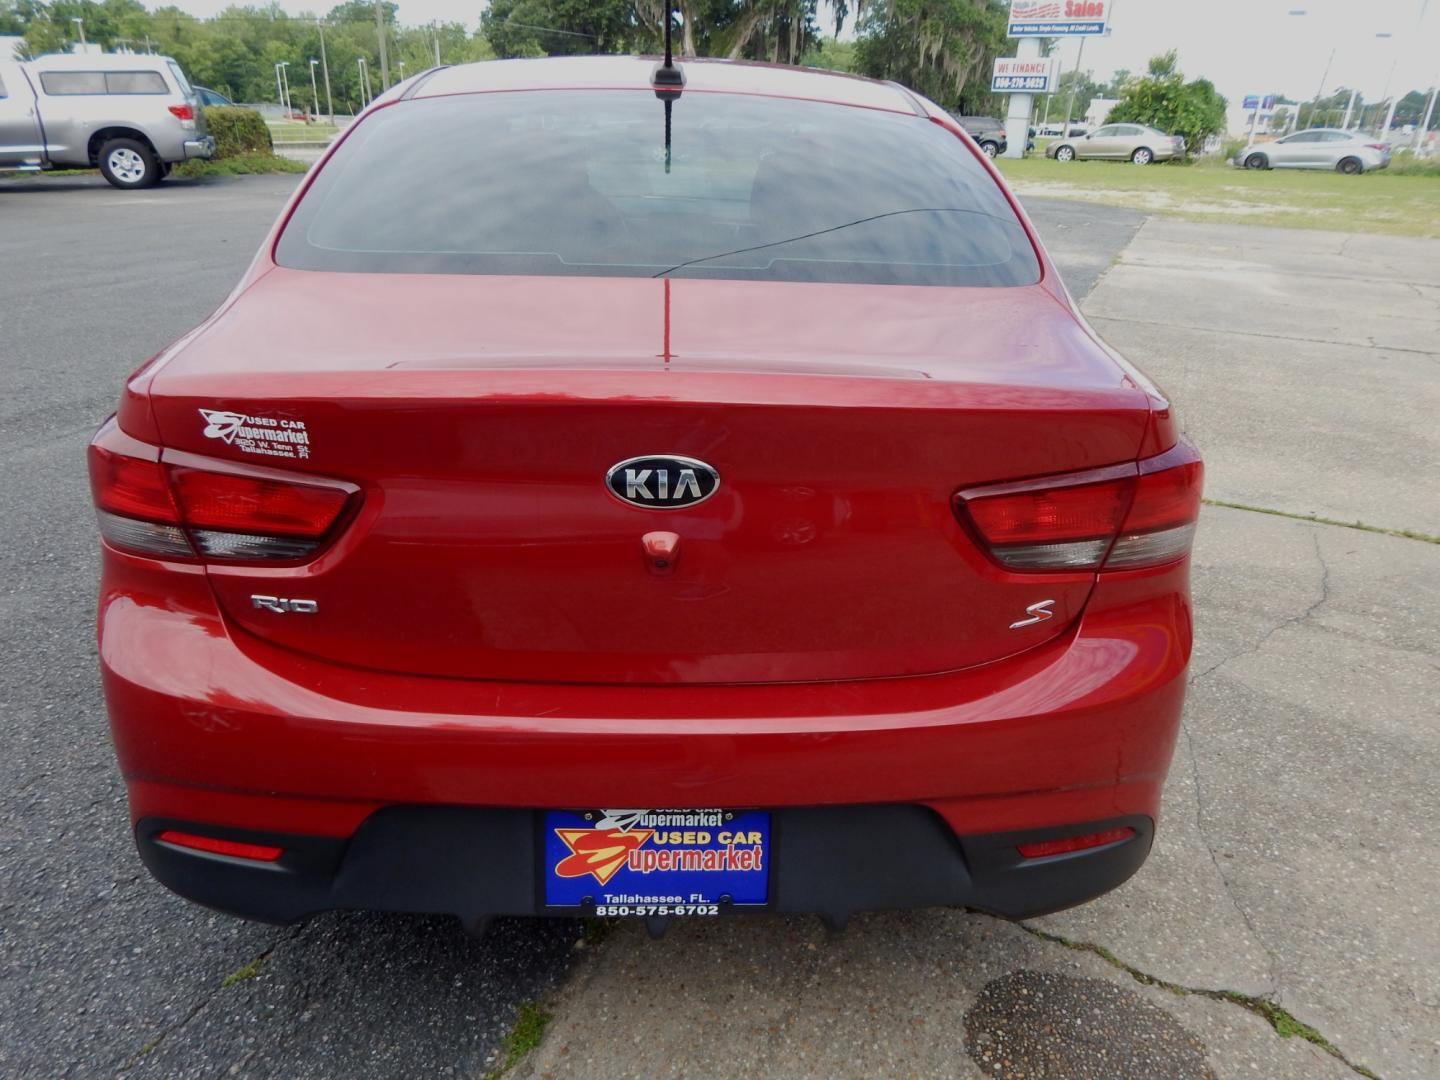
(1030, 76)
(1058, 18)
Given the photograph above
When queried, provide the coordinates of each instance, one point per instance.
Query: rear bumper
(203, 147)
(214, 728)
(475, 863)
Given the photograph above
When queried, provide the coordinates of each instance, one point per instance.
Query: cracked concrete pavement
(1298, 859)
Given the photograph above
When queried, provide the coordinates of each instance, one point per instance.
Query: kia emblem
(662, 481)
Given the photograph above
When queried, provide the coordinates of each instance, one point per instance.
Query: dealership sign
(1256, 101)
(1028, 76)
(1058, 18)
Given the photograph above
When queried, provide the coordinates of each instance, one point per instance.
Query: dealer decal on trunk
(264, 435)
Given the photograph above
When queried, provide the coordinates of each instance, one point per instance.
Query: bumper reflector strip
(1041, 848)
(215, 846)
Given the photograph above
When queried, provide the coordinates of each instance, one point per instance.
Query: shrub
(1163, 99)
(237, 131)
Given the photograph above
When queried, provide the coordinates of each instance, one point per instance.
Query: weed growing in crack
(249, 971)
(524, 1035)
(1284, 1023)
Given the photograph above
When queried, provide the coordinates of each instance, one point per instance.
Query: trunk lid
(480, 416)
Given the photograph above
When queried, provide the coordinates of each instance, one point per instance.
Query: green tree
(558, 27)
(1163, 99)
(942, 48)
(831, 53)
(1410, 109)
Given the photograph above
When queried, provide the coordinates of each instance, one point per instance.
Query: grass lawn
(1381, 202)
(295, 131)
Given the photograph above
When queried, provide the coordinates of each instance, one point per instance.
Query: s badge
(1037, 613)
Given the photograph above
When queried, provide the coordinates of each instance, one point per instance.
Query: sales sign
(1058, 18)
(1029, 76)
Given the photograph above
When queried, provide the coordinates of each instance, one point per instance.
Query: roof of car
(101, 61)
(622, 72)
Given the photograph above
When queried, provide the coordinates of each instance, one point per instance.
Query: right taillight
(1119, 518)
(150, 507)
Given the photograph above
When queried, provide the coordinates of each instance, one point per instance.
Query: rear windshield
(582, 183)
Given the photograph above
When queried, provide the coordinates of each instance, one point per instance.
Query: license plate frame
(655, 862)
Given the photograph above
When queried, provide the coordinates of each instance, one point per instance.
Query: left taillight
(150, 507)
(182, 112)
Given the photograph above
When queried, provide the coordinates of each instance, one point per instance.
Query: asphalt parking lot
(1293, 883)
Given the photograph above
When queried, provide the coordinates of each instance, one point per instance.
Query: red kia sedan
(616, 493)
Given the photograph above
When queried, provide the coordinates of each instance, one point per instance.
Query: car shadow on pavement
(375, 995)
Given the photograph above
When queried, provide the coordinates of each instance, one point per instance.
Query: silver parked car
(1317, 148)
(131, 116)
(1119, 142)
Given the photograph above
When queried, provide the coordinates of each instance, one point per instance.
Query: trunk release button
(661, 551)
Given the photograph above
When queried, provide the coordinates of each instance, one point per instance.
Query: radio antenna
(667, 78)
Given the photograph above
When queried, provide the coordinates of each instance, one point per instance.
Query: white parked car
(1317, 148)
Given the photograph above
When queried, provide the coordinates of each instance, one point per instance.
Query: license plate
(656, 862)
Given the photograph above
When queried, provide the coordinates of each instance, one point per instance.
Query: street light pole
(325, 67)
(285, 76)
(365, 95)
(1390, 113)
(314, 91)
(279, 88)
(80, 24)
(384, 54)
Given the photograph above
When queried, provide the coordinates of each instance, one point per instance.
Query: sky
(1243, 46)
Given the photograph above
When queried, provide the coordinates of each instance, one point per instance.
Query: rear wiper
(822, 232)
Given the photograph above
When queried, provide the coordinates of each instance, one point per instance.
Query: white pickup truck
(132, 116)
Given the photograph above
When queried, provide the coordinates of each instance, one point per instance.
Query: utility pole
(1390, 112)
(384, 54)
(1074, 82)
(436, 31)
(1390, 109)
(1314, 105)
(325, 67)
